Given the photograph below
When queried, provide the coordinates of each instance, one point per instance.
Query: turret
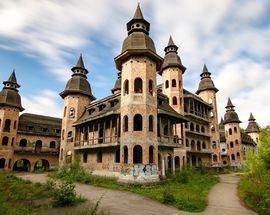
(10, 107)
(117, 86)
(207, 91)
(233, 135)
(77, 95)
(138, 63)
(253, 129)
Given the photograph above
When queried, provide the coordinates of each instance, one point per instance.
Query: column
(173, 164)
(163, 167)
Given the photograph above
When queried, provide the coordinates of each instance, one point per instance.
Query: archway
(2, 163)
(193, 160)
(38, 146)
(137, 154)
(22, 165)
(125, 154)
(151, 154)
(42, 165)
(169, 163)
(177, 162)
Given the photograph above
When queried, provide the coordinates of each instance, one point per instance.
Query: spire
(138, 13)
(138, 23)
(251, 118)
(79, 68)
(221, 121)
(170, 43)
(206, 82)
(12, 81)
(229, 104)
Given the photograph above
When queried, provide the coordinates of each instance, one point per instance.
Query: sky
(42, 41)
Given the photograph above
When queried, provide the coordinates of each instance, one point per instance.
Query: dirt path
(222, 199)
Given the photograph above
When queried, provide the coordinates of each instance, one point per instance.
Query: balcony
(33, 150)
(169, 141)
(200, 151)
(97, 143)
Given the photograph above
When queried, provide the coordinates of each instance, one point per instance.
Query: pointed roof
(80, 65)
(251, 117)
(138, 13)
(206, 82)
(229, 103)
(221, 121)
(12, 79)
(170, 43)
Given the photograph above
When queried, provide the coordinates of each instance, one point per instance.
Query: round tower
(233, 135)
(10, 107)
(138, 63)
(207, 91)
(253, 129)
(77, 95)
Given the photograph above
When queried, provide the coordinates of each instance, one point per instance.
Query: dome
(230, 117)
(78, 84)
(11, 98)
(206, 84)
(138, 40)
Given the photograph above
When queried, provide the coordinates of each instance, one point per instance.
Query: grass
(21, 197)
(187, 190)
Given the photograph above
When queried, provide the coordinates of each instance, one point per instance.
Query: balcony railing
(173, 141)
(30, 149)
(97, 141)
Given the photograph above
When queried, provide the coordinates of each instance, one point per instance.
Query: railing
(193, 149)
(35, 150)
(170, 140)
(96, 141)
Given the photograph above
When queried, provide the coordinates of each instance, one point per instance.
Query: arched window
(38, 146)
(238, 155)
(52, 144)
(174, 100)
(198, 145)
(191, 126)
(215, 158)
(137, 154)
(7, 125)
(125, 154)
(193, 145)
(117, 156)
(203, 145)
(71, 112)
(151, 154)
(231, 144)
(125, 124)
(214, 145)
(15, 124)
(213, 128)
(12, 141)
(23, 143)
(126, 87)
(236, 142)
(5, 141)
(99, 157)
(151, 122)
(69, 134)
(173, 83)
(150, 87)
(137, 122)
(166, 84)
(233, 157)
(235, 129)
(138, 88)
(197, 128)
(85, 156)
(203, 129)
(230, 131)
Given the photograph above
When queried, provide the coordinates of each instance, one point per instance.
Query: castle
(139, 132)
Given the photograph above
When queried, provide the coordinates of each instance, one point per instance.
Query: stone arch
(23, 143)
(151, 154)
(138, 85)
(125, 154)
(174, 100)
(42, 165)
(137, 122)
(177, 162)
(173, 83)
(2, 163)
(137, 154)
(22, 165)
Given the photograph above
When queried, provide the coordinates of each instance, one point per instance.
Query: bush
(167, 197)
(182, 177)
(63, 194)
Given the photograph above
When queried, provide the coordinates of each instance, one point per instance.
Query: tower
(10, 107)
(233, 135)
(77, 95)
(207, 91)
(138, 63)
(253, 129)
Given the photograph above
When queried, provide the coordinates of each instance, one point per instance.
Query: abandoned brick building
(28, 141)
(138, 132)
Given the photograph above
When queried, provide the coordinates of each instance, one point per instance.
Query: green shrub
(168, 197)
(64, 194)
(182, 177)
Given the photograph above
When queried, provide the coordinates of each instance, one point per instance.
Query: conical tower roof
(230, 116)
(79, 66)
(117, 85)
(206, 82)
(253, 126)
(138, 13)
(9, 95)
(172, 58)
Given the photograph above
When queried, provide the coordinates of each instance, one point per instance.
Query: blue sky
(43, 39)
